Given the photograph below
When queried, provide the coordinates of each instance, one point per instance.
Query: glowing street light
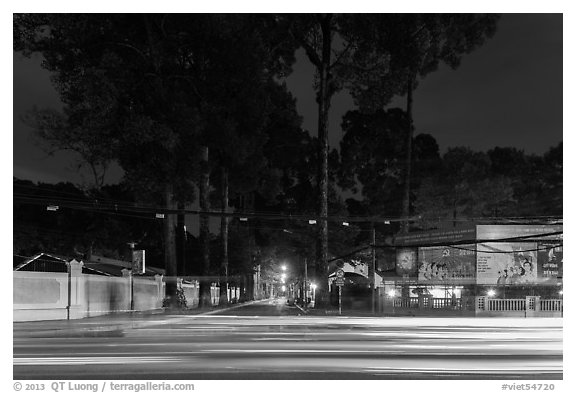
(284, 267)
(392, 293)
(283, 288)
(491, 293)
(313, 286)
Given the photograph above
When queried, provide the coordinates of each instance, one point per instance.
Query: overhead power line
(99, 206)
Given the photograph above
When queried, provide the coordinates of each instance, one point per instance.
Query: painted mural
(447, 265)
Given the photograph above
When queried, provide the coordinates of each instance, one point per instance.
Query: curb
(110, 331)
(231, 307)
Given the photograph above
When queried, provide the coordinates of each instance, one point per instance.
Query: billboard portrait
(447, 265)
(550, 262)
(406, 262)
(507, 264)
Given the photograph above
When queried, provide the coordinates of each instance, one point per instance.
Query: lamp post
(373, 278)
(305, 281)
(313, 287)
(132, 245)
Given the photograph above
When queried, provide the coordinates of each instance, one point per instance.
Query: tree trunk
(408, 171)
(372, 271)
(170, 261)
(181, 240)
(205, 281)
(242, 295)
(224, 235)
(324, 97)
(250, 286)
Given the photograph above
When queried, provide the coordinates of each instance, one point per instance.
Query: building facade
(466, 263)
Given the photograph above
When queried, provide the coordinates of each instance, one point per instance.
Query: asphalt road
(269, 340)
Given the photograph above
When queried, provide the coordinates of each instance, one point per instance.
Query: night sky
(507, 93)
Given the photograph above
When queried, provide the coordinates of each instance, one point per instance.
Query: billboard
(449, 236)
(138, 261)
(507, 263)
(500, 232)
(447, 265)
(406, 262)
(550, 262)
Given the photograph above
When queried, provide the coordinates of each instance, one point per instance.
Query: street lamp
(491, 293)
(284, 268)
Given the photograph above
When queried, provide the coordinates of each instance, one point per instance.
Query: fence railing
(551, 305)
(448, 303)
(506, 304)
(406, 302)
(529, 306)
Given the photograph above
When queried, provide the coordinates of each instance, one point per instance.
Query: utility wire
(134, 208)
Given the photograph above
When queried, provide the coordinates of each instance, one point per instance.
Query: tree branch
(342, 54)
(308, 48)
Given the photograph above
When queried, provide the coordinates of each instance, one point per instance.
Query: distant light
(311, 222)
(284, 267)
(560, 293)
(346, 224)
(159, 215)
(387, 222)
(313, 286)
(392, 293)
(283, 280)
(491, 293)
(52, 208)
(283, 288)
(283, 275)
(243, 218)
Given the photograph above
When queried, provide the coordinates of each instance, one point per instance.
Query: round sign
(339, 273)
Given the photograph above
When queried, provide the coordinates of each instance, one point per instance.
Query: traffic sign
(339, 281)
(340, 273)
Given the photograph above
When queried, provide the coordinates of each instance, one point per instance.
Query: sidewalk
(111, 325)
(389, 313)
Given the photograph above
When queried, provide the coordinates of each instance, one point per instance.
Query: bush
(180, 300)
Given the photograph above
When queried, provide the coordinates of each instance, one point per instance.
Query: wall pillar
(76, 299)
(532, 305)
(127, 274)
(160, 290)
(481, 304)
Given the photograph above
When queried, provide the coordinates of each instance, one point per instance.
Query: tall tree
(372, 156)
(331, 44)
(252, 53)
(173, 74)
(413, 45)
(463, 189)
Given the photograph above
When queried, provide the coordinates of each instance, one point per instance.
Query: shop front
(512, 267)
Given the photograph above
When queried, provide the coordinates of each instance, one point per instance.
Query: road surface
(269, 340)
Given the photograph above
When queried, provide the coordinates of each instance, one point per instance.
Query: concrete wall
(192, 293)
(148, 294)
(39, 296)
(73, 295)
(103, 295)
